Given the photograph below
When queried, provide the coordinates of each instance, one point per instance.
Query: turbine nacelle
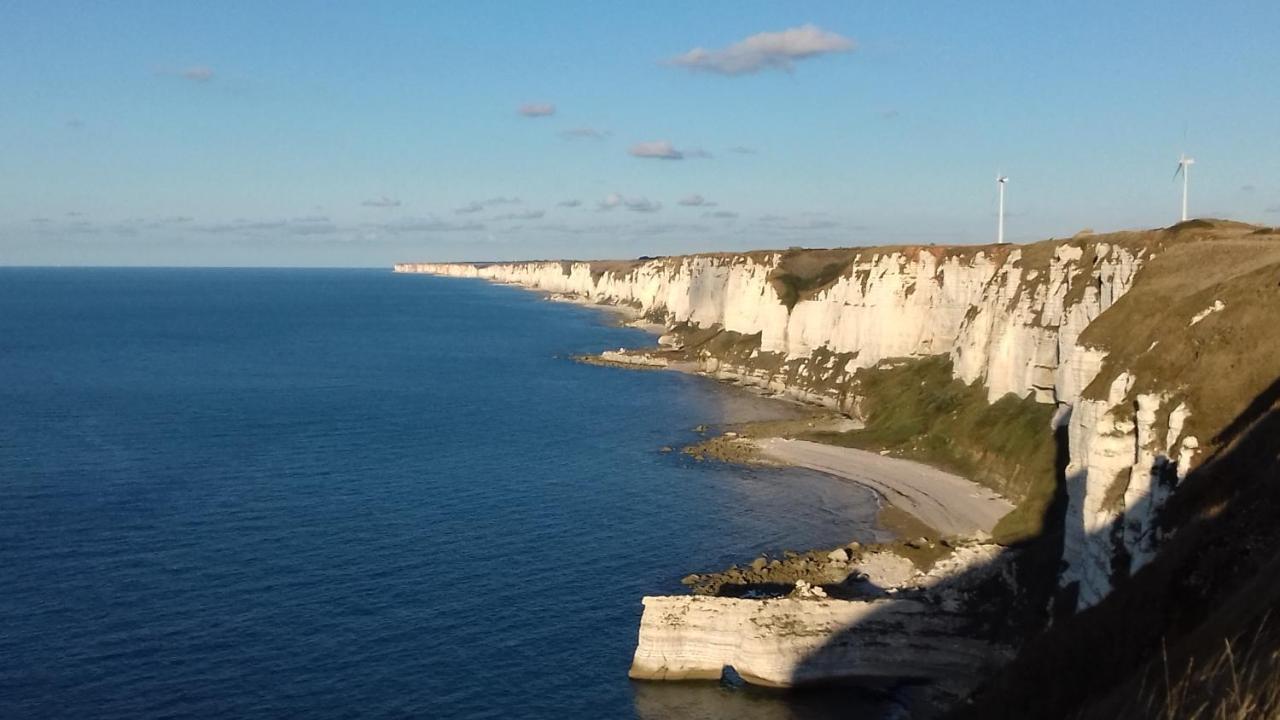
(1184, 168)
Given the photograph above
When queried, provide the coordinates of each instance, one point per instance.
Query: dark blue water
(329, 494)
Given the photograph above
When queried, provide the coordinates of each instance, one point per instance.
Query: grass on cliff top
(917, 410)
(1220, 364)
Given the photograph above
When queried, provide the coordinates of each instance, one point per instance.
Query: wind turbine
(1000, 181)
(1184, 167)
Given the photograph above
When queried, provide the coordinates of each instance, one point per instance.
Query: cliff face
(1010, 318)
(1156, 353)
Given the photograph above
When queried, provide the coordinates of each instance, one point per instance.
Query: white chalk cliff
(784, 642)
(1009, 317)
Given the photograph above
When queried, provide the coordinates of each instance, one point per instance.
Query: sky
(360, 134)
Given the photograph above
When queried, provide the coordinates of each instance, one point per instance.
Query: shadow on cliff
(998, 617)
(1216, 579)
(1155, 647)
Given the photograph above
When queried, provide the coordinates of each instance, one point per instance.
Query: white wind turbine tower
(1000, 181)
(1184, 167)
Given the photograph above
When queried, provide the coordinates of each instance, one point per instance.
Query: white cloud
(638, 204)
(660, 149)
(381, 202)
(695, 200)
(765, 51)
(533, 110)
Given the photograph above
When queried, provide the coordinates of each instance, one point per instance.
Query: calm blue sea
(333, 494)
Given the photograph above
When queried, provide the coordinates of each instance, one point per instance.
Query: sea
(231, 493)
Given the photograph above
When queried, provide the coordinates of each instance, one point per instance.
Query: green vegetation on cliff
(915, 408)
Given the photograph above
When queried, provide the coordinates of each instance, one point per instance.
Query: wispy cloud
(1247, 188)
(742, 150)
(197, 73)
(75, 123)
(649, 229)
(777, 222)
(765, 51)
(660, 149)
(695, 200)
(637, 204)
(476, 206)
(1274, 209)
(721, 215)
(642, 205)
(569, 203)
(584, 133)
(381, 202)
(430, 225)
(534, 110)
(526, 215)
(697, 153)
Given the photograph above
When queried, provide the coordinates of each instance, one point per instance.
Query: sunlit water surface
(325, 494)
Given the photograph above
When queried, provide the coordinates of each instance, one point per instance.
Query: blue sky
(291, 133)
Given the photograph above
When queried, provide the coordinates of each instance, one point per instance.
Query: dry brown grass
(1218, 365)
(1230, 685)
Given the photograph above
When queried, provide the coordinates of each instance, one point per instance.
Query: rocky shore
(851, 614)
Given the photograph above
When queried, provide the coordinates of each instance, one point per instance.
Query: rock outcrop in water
(1148, 345)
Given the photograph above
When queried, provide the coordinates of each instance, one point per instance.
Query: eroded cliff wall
(1014, 318)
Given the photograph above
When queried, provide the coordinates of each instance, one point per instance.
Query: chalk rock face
(786, 642)
(1004, 322)
(1121, 472)
(1008, 317)
(1020, 337)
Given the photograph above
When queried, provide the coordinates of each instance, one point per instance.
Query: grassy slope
(1216, 581)
(916, 409)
